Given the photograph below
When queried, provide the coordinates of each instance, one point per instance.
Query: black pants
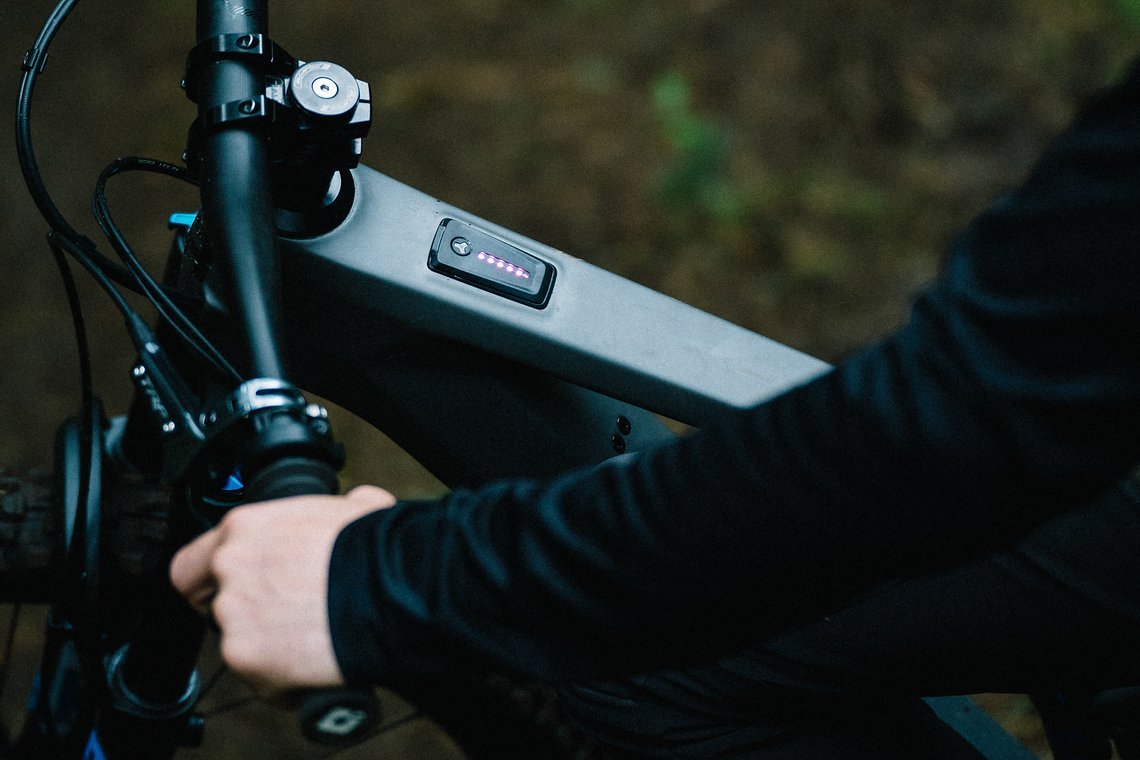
(1059, 611)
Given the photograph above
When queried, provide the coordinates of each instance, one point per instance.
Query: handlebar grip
(337, 716)
(291, 476)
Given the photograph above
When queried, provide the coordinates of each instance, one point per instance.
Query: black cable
(64, 238)
(76, 251)
(33, 64)
(78, 322)
(178, 320)
(34, 61)
(137, 329)
(75, 557)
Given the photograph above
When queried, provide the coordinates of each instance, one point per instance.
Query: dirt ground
(796, 166)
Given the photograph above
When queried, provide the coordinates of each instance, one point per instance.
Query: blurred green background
(794, 166)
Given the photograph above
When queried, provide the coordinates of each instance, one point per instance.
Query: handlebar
(234, 169)
(292, 476)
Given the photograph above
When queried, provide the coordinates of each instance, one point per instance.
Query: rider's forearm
(1012, 393)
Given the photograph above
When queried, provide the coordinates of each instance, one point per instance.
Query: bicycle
(138, 689)
(493, 296)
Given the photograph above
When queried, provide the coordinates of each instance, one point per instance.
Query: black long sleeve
(1013, 392)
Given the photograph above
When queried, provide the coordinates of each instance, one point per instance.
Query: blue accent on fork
(181, 220)
(94, 750)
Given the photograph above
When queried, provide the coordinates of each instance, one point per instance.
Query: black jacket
(1012, 393)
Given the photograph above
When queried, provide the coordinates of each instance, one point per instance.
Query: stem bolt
(325, 88)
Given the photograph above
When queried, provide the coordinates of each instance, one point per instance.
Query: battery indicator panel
(477, 258)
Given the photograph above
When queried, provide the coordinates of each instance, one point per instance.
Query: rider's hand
(263, 574)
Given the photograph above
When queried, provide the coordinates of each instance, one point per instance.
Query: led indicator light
(506, 266)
